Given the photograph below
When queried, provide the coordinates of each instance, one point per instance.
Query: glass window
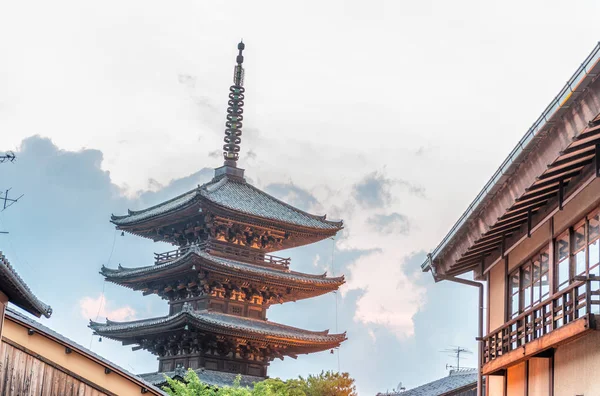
(544, 278)
(526, 288)
(562, 261)
(593, 241)
(514, 295)
(579, 250)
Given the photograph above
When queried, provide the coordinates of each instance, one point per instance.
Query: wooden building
(533, 236)
(36, 361)
(221, 278)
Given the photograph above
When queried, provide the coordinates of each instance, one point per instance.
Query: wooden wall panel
(539, 377)
(23, 374)
(515, 382)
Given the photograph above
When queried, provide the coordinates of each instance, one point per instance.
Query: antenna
(455, 352)
(9, 156)
(5, 200)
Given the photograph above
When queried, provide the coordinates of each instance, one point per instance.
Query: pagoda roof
(227, 266)
(222, 324)
(209, 377)
(233, 194)
(18, 292)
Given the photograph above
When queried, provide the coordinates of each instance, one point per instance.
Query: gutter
(480, 320)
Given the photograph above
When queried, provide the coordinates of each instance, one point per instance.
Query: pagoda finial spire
(233, 132)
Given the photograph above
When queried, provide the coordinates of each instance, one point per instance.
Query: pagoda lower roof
(227, 266)
(220, 324)
(233, 194)
(210, 377)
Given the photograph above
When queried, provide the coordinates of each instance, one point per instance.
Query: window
(593, 241)
(562, 261)
(529, 284)
(578, 251)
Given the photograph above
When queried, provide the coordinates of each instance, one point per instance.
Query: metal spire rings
(233, 132)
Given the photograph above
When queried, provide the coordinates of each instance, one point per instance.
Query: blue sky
(389, 115)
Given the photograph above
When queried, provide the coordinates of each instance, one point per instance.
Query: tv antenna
(399, 388)
(456, 352)
(6, 200)
(9, 156)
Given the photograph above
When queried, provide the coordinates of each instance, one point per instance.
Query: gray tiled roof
(234, 265)
(456, 380)
(18, 292)
(247, 326)
(210, 377)
(235, 195)
(43, 329)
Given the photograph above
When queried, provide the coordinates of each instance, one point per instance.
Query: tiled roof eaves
(210, 377)
(221, 323)
(24, 320)
(207, 191)
(156, 210)
(310, 220)
(114, 275)
(25, 298)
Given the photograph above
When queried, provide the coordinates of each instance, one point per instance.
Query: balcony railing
(223, 250)
(577, 301)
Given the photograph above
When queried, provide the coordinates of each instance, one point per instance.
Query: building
(35, 360)
(461, 382)
(221, 278)
(532, 235)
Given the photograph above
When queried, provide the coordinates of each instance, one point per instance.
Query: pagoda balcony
(227, 251)
(565, 316)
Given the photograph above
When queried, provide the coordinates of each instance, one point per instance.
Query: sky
(390, 115)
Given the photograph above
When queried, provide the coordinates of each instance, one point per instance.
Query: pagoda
(221, 278)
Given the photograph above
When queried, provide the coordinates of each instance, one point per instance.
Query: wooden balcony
(223, 250)
(567, 315)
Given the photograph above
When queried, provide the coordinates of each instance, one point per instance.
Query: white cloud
(95, 308)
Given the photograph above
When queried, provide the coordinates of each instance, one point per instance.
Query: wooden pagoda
(221, 279)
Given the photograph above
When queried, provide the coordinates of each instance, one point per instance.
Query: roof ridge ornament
(235, 111)
(233, 131)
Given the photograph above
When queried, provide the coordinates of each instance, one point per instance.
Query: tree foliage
(325, 384)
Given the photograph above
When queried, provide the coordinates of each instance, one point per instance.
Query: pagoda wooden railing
(221, 249)
(160, 258)
(579, 300)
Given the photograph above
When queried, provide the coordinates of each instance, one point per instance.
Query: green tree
(325, 384)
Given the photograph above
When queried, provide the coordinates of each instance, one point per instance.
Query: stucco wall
(497, 291)
(576, 367)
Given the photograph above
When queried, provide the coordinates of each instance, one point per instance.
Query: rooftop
(237, 195)
(515, 193)
(456, 380)
(18, 292)
(210, 377)
(222, 323)
(239, 267)
(59, 337)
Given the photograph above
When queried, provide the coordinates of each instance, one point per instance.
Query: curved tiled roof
(210, 377)
(18, 292)
(225, 263)
(461, 379)
(236, 195)
(240, 326)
